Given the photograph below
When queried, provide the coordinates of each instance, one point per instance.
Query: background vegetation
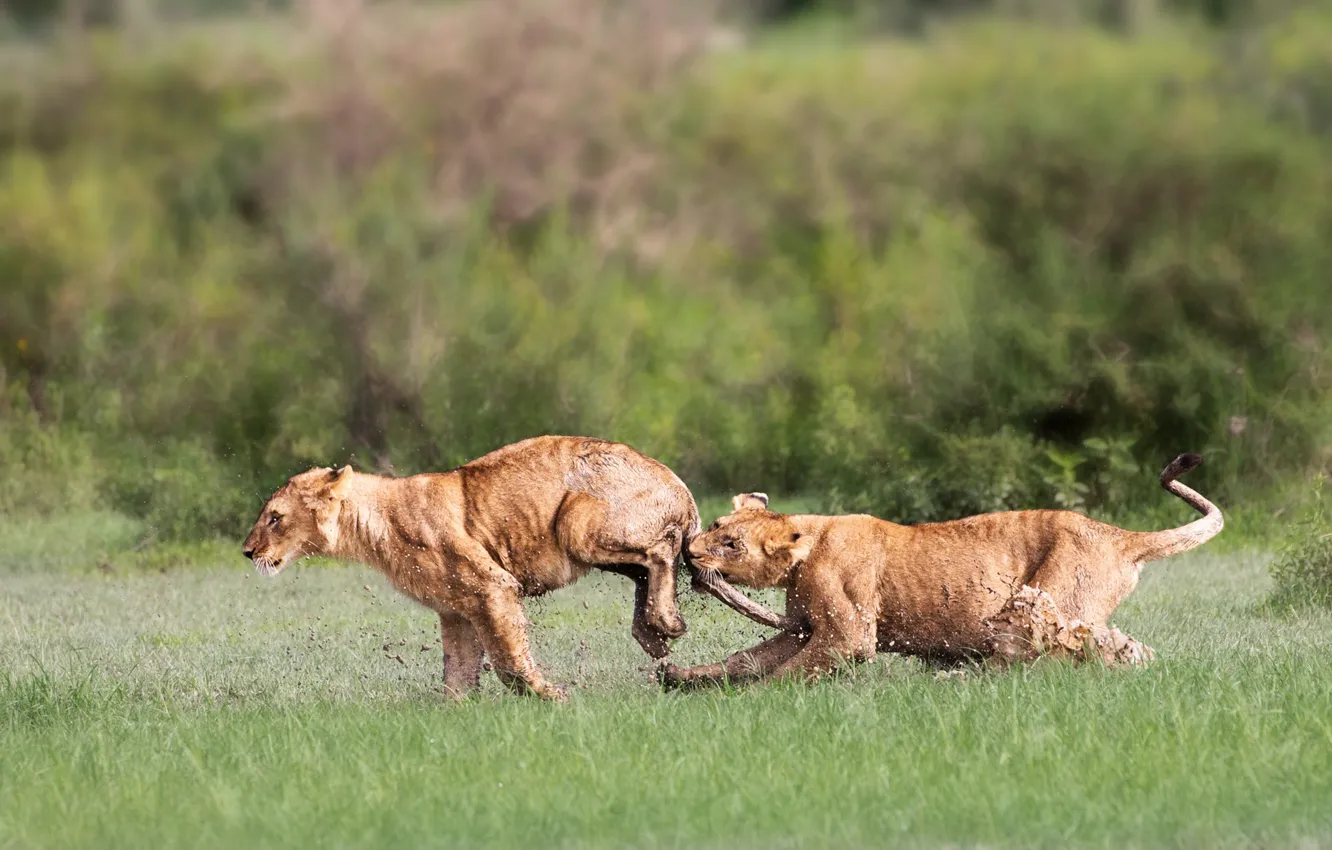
(918, 258)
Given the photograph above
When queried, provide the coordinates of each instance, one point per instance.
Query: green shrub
(44, 470)
(1302, 570)
(1003, 265)
(183, 490)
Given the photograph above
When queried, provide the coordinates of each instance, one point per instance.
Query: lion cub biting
(1009, 585)
(470, 543)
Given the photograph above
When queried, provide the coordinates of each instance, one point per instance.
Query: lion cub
(470, 543)
(1007, 585)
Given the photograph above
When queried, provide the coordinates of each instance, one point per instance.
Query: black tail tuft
(1179, 466)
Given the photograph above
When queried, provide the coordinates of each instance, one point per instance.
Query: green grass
(210, 708)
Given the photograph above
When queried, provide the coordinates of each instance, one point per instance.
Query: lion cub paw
(552, 692)
(670, 676)
(1118, 648)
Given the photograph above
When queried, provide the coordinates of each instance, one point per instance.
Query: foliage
(45, 470)
(1302, 570)
(998, 265)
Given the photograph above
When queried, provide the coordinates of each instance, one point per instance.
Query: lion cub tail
(1154, 545)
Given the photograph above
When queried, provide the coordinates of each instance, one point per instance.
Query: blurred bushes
(1302, 570)
(1003, 265)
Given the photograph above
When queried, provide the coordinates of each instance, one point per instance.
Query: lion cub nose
(249, 553)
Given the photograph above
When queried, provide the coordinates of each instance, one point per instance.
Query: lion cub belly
(943, 630)
(545, 571)
(940, 609)
(537, 560)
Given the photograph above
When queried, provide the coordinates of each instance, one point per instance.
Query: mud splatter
(1030, 625)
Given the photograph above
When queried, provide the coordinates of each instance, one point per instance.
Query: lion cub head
(751, 545)
(299, 520)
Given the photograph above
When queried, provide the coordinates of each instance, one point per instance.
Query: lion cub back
(553, 505)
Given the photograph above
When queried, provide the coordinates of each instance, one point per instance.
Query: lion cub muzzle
(265, 566)
(266, 561)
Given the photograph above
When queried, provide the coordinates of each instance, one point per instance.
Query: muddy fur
(1008, 586)
(472, 542)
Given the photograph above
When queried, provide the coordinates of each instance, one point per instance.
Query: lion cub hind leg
(617, 540)
(655, 643)
(1031, 626)
(1116, 648)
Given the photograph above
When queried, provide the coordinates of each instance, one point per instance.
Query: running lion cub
(1009, 585)
(472, 542)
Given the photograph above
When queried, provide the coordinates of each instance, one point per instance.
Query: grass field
(198, 705)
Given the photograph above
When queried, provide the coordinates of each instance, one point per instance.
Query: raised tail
(1146, 546)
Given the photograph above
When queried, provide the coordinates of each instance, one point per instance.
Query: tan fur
(1010, 585)
(470, 543)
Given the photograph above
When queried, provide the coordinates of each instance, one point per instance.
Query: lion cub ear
(800, 547)
(797, 547)
(338, 481)
(749, 502)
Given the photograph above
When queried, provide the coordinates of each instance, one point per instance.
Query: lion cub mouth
(266, 568)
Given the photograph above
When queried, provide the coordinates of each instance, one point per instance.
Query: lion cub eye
(733, 545)
(274, 520)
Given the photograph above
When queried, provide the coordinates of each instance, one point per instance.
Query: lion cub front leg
(488, 597)
(502, 627)
(463, 654)
(818, 657)
(753, 663)
(842, 630)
